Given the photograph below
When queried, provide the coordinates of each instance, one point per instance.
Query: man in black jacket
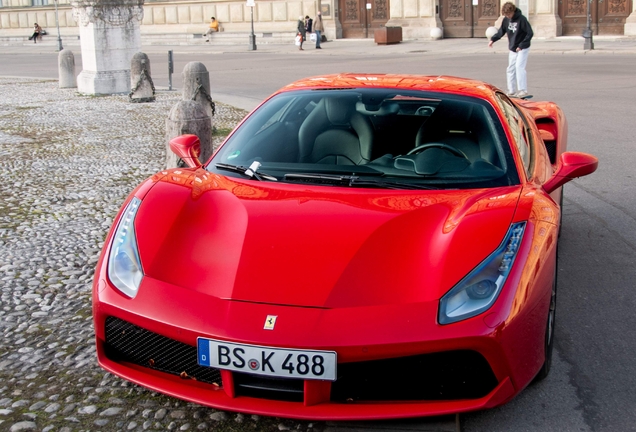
(519, 33)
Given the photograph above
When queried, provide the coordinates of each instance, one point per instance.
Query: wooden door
(360, 22)
(468, 18)
(612, 15)
(485, 13)
(607, 16)
(457, 18)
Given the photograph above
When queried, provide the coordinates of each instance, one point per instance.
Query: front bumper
(315, 405)
(392, 360)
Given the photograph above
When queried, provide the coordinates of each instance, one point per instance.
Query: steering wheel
(421, 148)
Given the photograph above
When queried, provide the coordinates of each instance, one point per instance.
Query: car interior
(399, 133)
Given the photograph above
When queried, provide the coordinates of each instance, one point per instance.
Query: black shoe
(318, 48)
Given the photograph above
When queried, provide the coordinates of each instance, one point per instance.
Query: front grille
(283, 389)
(449, 375)
(130, 343)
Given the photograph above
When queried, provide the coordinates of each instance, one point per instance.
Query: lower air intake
(449, 375)
(133, 344)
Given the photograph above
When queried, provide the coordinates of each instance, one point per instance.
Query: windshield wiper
(351, 181)
(249, 172)
(390, 184)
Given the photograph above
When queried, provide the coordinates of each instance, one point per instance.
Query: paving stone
(23, 426)
(91, 409)
(67, 163)
(110, 412)
(179, 414)
(218, 416)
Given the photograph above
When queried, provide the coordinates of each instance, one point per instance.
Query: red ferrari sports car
(359, 247)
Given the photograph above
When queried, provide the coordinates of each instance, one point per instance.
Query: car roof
(439, 83)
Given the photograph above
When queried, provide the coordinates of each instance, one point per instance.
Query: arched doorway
(468, 18)
(358, 21)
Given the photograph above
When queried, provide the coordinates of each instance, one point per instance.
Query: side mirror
(188, 148)
(572, 165)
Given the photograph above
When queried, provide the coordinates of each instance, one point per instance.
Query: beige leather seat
(335, 133)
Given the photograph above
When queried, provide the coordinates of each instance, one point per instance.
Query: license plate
(262, 360)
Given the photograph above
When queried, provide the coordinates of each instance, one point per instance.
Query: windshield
(366, 137)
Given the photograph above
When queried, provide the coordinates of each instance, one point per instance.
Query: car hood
(325, 247)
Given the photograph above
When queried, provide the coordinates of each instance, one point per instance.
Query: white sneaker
(521, 94)
(511, 94)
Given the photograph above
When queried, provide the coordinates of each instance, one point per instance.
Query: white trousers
(516, 72)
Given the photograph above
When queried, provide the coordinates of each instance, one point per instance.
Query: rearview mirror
(188, 148)
(572, 165)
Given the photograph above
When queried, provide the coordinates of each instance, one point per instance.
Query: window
(405, 138)
(39, 2)
(520, 132)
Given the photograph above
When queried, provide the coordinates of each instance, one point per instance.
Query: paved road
(593, 384)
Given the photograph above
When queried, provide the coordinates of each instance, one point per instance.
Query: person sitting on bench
(214, 27)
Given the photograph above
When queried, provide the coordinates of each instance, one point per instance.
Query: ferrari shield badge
(270, 322)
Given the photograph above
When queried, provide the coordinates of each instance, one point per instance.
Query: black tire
(549, 330)
(561, 210)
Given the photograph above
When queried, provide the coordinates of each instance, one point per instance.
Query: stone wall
(416, 17)
(193, 17)
(16, 21)
(172, 17)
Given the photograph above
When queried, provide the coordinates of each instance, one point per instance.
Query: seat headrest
(454, 114)
(339, 110)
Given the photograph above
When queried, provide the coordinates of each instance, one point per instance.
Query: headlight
(124, 265)
(478, 291)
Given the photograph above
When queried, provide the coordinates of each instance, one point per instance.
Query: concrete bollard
(142, 87)
(66, 69)
(436, 33)
(188, 117)
(196, 86)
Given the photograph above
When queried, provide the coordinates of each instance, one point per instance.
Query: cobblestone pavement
(67, 162)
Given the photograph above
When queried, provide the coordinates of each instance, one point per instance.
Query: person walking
(308, 24)
(318, 29)
(519, 32)
(301, 31)
(37, 31)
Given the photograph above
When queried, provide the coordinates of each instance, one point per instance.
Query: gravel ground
(67, 162)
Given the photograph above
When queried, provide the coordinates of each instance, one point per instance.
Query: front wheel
(561, 210)
(549, 333)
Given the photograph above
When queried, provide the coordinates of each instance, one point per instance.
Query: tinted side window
(520, 133)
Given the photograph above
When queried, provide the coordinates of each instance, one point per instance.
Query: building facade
(342, 18)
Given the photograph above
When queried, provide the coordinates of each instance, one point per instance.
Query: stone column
(109, 36)
(630, 22)
(416, 17)
(544, 18)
